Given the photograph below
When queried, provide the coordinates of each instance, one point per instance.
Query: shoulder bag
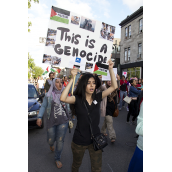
(99, 140)
(116, 113)
(127, 99)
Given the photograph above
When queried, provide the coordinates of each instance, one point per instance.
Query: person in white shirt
(41, 85)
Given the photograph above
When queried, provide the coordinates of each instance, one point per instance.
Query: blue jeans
(57, 133)
(122, 102)
(136, 163)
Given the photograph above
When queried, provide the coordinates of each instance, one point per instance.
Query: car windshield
(32, 92)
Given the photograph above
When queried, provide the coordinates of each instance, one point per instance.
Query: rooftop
(131, 17)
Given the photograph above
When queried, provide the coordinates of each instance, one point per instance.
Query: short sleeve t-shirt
(123, 86)
(57, 116)
(82, 134)
(110, 107)
(41, 84)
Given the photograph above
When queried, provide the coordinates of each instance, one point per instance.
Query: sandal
(58, 164)
(112, 140)
(52, 148)
(105, 134)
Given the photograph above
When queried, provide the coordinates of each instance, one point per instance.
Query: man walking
(49, 81)
(41, 85)
(123, 91)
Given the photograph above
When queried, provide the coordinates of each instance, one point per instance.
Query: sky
(111, 12)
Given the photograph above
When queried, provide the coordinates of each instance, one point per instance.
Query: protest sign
(107, 78)
(125, 74)
(76, 40)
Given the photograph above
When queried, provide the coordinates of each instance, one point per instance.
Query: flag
(45, 72)
(100, 69)
(58, 70)
(52, 70)
(60, 15)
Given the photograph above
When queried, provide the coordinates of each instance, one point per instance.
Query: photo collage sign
(76, 41)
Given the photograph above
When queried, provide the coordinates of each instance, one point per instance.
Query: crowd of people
(98, 98)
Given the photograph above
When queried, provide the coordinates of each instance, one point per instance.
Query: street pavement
(115, 158)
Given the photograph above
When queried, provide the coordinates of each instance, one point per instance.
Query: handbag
(99, 140)
(116, 113)
(127, 99)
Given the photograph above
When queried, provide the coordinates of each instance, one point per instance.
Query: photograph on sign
(60, 15)
(51, 34)
(47, 59)
(89, 67)
(50, 42)
(107, 32)
(56, 61)
(76, 66)
(101, 69)
(87, 24)
(75, 19)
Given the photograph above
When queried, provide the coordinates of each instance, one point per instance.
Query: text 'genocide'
(75, 52)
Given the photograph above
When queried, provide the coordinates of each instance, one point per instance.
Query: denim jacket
(134, 92)
(47, 103)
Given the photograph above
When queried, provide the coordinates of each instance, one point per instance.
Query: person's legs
(104, 126)
(121, 99)
(134, 110)
(136, 163)
(96, 159)
(124, 94)
(60, 135)
(78, 153)
(130, 110)
(109, 122)
(51, 133)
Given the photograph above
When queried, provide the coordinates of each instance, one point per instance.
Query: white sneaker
(127, 109)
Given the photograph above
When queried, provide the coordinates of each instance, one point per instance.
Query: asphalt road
(116, 156)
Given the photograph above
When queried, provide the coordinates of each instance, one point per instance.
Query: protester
(110, 107)
(123, 91)
(85, 95)
(49, 81)
(41, 85)
(133, 93)
(65, 81)
(57, 118)
(118, 91)
(136, 163)
(138, 83)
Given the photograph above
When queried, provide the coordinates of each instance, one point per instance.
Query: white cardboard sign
(76, 40)
(107, 78)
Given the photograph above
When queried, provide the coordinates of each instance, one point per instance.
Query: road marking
(110, 167)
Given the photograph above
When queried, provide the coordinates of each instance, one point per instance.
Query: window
(128, 53)
(135, 71)
(140, 25)
(129, 31)
(125, 54)
(126, 32)
(140, 48)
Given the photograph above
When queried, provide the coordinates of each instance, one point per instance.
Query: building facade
(116, 54)
(131, 45)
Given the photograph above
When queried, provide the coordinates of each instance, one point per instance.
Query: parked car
(34, 104)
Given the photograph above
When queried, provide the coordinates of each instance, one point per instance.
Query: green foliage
(29, 6)
(31, 63)
(37, 71)
(29, 75)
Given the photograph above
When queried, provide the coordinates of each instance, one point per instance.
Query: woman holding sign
(83, 101)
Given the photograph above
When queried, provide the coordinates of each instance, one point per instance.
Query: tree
(31, 65)
(37, 71)
(29, 6)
